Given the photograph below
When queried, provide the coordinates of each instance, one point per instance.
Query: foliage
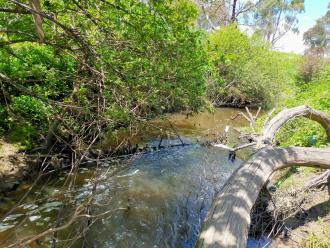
(3, 120)
(23, 134)
(303, 132)
(116, 62)
(95, 65)
(31, 108)
(315, 241)
(245, 70)
(311, 66)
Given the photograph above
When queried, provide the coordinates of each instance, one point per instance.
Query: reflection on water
(200, 126)
(158, 199)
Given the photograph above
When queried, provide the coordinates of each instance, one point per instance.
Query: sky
(291, 42)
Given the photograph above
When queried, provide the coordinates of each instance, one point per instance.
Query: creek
(155, 199)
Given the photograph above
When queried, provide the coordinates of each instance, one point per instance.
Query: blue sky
(314, 9)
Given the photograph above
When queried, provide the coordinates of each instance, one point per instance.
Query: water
(157, 199)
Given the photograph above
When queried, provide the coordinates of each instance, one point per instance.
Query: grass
(291, 178)
(319, 241)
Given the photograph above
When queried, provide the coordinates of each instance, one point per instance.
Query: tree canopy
(317, 38)
(102, 62)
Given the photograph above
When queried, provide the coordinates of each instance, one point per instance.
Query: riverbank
(310, 226)
(15, 167)
(201, 127)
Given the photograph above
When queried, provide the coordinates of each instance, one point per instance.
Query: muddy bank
(311, 228)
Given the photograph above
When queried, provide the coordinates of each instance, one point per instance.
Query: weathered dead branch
(228, 220)
(273, 126)
(319, 181)
(249, 117)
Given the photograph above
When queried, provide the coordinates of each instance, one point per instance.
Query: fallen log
(319, 181)
(228, 219)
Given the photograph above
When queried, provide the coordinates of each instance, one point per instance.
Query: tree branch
(73, 33)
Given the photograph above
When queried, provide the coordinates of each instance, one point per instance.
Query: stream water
(156, 199)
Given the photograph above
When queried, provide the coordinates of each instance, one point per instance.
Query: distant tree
(275, 18)
(317, 38)
(272, 19)
(218, 13)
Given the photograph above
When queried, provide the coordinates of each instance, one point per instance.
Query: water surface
(156, 199)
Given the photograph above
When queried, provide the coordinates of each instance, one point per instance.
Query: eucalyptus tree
(217, 13)
(317, 38)
(271, 19)
(275, 18)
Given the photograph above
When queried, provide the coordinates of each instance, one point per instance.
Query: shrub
(32, 109)
(245, 70)
(24, 134)
(311, 66)
(303, 132)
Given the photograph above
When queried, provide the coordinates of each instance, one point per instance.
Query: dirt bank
(311, 227)
(14, 166)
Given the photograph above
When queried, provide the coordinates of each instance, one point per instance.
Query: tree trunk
(233, 13)
(228, 220)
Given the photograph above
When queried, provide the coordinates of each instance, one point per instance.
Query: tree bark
(35, 4)
(233, 13)
(228, 220)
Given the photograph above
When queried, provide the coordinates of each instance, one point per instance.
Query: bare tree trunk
(233, 13)
(35, 4)
(228, 220)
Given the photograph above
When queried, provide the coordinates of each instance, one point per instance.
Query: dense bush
(40, 69)
(245, 70)
(3, 120)
(32, 109)
(311, 66)
(135, 58)
(123, 61)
